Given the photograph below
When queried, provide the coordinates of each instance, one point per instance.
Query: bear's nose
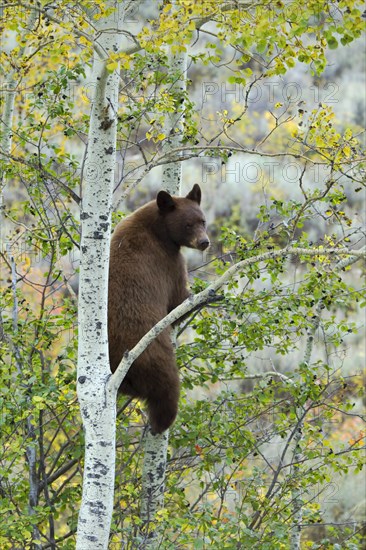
(203, 244)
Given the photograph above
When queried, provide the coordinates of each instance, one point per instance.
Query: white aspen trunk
(156, 446)
(153, 474)
(97, 401)
(173, 128)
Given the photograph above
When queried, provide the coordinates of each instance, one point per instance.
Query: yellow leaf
(112, 66)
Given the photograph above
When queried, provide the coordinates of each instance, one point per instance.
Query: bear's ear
(195, 194)
(165, 201)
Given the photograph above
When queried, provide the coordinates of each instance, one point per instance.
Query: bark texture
(97, 402)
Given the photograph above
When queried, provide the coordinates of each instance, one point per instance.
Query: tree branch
(195, 300)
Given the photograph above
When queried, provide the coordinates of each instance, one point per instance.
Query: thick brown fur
(147, 279)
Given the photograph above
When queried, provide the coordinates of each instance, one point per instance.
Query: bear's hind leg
(162, 412)
(162, 401)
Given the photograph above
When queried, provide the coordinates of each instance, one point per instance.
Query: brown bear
(147, 279)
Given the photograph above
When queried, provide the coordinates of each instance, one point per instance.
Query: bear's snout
(202, 244)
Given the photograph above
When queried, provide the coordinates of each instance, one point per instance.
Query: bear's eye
(203, 222)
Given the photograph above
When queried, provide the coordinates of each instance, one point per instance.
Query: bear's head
(183, 218)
